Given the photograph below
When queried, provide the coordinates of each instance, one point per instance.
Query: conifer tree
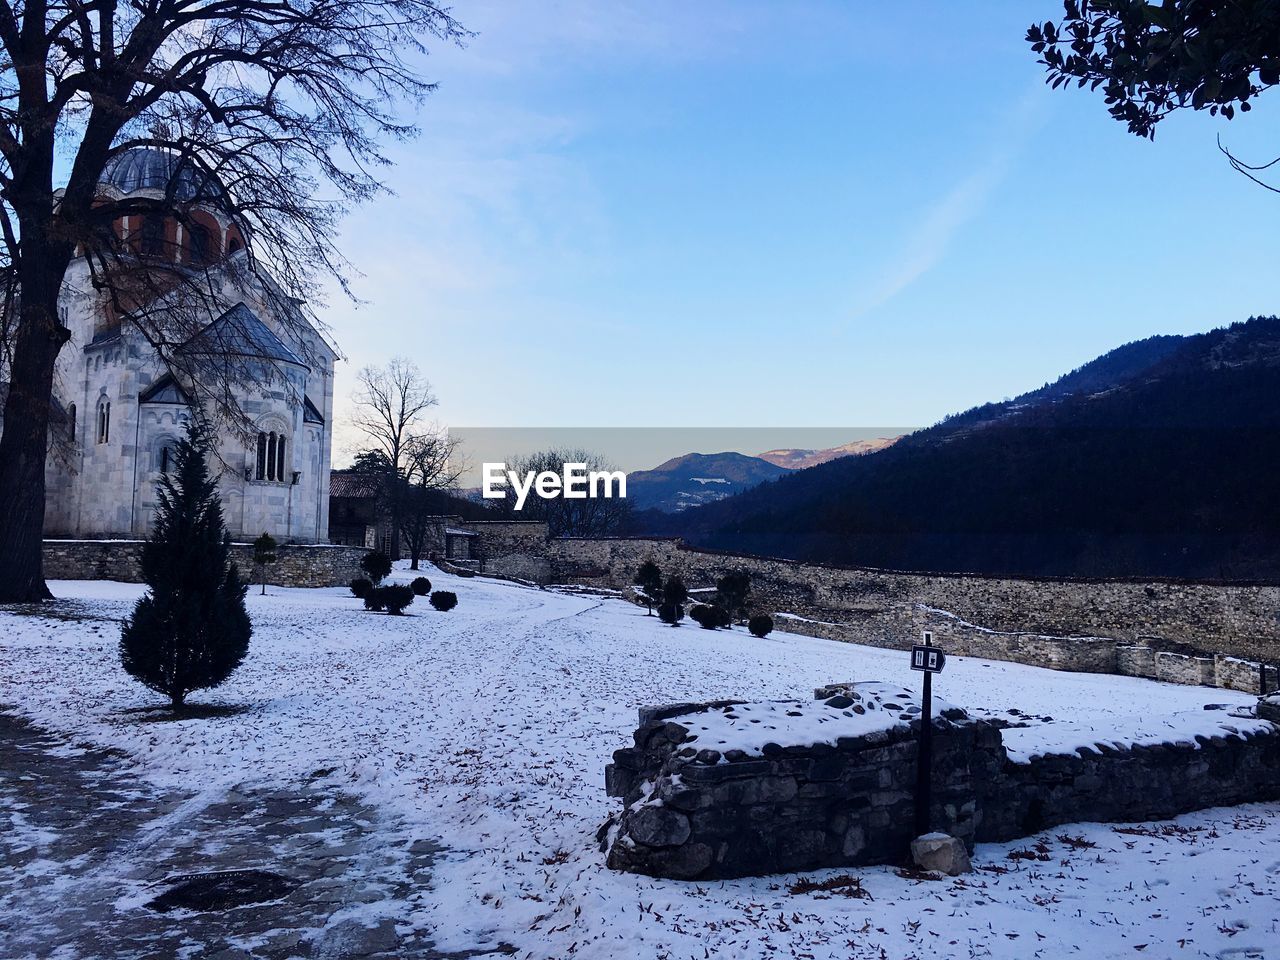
(191, 629)
(264, 554)
(649, 580)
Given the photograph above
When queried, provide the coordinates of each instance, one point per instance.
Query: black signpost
(928, 659)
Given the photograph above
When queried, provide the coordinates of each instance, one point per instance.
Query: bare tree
(587, 517)
(432, 468)
(260, 102)
(391, 403)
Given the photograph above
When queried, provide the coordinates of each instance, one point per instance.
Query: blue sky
(769, 215)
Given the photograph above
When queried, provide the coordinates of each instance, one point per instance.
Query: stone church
(119, 408)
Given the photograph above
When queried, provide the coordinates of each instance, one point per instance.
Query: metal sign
(927, 659)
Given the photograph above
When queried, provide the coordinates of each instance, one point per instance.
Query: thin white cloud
(929, 241)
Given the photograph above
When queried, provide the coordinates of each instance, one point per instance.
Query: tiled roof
(309, 412)
(349, 483)
(150, 168)
(239, 333)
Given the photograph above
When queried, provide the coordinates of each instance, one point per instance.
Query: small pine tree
(376, 564)
(649, 580)
(264, 554)
(674, 591)
(671, 613)
(732, 591)
(191, 629)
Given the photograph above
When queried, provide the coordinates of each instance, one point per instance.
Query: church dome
(153, 168)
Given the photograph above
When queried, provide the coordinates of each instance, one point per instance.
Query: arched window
(71, 421)
(271, 452)
(152, 235)
(166, 457)
(104, 421)
(201, 243)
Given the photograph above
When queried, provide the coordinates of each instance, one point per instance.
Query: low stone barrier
(297, 565)
(698, 807)
(1122, 783)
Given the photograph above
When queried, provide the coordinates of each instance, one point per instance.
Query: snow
(706, 480)
(1183, 727)
(803, 723)
(489, 727)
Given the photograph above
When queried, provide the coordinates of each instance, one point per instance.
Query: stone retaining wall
(1129, 784)
(691, 813)
(800, 808)
(297, 565)
(1241, 620)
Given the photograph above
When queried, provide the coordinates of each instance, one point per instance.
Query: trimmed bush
(444, 600)
(396, 597)
(375, 599)
(376, 564)
(360, 587)
(704, 616)
(761, 625)
(420, 586)
(671, 613)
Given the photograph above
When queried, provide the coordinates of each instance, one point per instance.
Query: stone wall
(884, 607)
(798, 808)
(297, 565)
(516, 549)
(1080, 654)
(693, 813)
(1129, 784)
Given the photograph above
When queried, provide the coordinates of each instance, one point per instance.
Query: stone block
(658, 826)
(941, 853)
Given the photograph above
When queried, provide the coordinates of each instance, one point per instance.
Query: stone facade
(692, 813)
(297, 565)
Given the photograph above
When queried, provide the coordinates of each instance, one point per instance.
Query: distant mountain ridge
(1159, 458)
(696, 479)
(803, 459)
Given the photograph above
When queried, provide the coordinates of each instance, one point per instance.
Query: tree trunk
(24, 443)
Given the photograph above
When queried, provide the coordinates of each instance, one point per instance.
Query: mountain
(695, 479)
(1158, 459)
(802, 459)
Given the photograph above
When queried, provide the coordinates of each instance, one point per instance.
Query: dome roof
(152, 168)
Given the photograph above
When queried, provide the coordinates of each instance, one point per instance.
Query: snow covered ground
(490, 726)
